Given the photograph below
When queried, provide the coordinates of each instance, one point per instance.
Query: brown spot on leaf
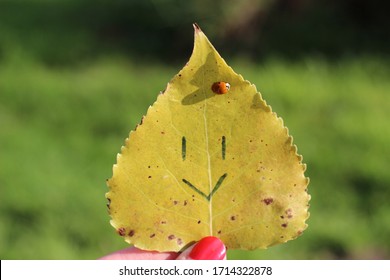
(179, 241)
(233, 218)
(162, 132)
(171, 237)
(122, 231)
(152, 235)
(199, 222)
(149, 176)
(163, 222)
(285, 225)
(175, 202)
(131, 233)
(185, 202)
(268, 200)
(289, 213)
(219, 231)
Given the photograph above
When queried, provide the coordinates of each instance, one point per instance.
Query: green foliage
(60, 130)
(66, 31)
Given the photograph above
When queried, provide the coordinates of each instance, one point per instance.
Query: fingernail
(208, 248)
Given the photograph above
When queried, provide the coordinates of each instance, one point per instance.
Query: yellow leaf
(204, 162)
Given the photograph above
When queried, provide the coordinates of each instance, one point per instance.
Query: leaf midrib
(208, 158)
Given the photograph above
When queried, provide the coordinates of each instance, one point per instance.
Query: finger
(208, 248)
(134, 253)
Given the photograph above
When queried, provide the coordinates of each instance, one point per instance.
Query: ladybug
(220, 87)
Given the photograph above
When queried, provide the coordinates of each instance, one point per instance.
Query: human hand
(208, 248)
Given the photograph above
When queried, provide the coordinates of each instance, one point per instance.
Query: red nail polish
(208, 248)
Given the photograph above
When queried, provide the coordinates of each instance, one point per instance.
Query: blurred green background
(77, 76)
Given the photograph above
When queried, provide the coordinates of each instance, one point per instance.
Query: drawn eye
(220, 87)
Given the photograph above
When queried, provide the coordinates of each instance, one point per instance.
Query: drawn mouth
(213, 191)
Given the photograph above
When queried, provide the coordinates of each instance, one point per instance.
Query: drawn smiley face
(221, 178)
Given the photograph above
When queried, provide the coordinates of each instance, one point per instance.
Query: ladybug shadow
(202, 81)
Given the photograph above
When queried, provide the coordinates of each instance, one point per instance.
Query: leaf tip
(196, 27)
